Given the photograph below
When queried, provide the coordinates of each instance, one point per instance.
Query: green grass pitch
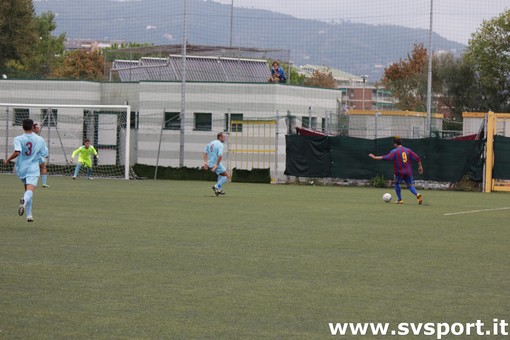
(115, 259)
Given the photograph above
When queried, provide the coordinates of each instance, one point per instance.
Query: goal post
(492, 130)
(65, 127)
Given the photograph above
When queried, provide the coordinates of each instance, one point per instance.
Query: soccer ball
(386, 197)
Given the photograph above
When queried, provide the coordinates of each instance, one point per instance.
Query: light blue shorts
(30, 180)
(220, 169)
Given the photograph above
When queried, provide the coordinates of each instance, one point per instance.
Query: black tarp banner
(307, 156)
(347, 157)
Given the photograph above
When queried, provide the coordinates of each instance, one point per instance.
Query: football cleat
(420, 199)
(45, 186)
(30, 219)
(21, 209)
(399, 202)
(216, 190)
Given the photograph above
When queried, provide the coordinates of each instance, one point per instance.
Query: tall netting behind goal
(65, 128)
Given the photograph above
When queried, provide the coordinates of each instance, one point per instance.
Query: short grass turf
(116, 259)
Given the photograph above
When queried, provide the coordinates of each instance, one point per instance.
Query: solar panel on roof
(212, 69)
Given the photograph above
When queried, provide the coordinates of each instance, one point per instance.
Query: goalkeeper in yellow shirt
(85, 153)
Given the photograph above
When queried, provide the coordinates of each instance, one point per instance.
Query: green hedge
(164, 172)
(198, 174)
(251, 176)
(168, 172)
(63, 170)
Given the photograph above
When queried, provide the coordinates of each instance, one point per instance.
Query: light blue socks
(221, 180)
(28, 202)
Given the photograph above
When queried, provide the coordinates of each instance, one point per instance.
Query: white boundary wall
(148, 102)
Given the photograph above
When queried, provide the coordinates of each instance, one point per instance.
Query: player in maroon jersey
(402, 167)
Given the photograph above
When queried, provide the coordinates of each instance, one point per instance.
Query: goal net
(65, 128)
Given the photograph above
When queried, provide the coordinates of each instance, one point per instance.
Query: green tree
(17, 33)
(407, 80)
(489, 52)
(49, 49)
(321, 79)
(458, 89)
(117, 51)
(81, 64)
(296, 78)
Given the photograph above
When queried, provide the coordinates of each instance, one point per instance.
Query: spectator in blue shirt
(277, 74)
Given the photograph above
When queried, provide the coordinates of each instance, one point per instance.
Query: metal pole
(231, 21)
(229, 133)
(364, 77)
(48, 117)
(363, 100)
(288, 67)
(127, 153)
(104, 63)
(289, 120)
(377, 114)
(183, 85)
(429, 78)
(159, 145)
(7, 134)
(328, 121)
(276, 138)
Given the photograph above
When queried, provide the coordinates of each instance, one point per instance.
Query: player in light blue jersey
(42, 161)
(213, 154)
(29, 148)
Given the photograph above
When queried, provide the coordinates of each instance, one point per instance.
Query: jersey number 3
(29, 149)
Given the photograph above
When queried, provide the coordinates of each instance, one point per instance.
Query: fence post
(277, 136)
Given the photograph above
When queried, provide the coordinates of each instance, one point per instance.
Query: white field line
(475, 211)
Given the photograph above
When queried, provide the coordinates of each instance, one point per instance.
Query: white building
(155, 134)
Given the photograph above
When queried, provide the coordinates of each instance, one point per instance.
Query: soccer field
(115, 259)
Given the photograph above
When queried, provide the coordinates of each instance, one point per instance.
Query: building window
(234, 121)
(305, 121)
(20, 115)
(172, 121)
(49, 118)
(203, 121)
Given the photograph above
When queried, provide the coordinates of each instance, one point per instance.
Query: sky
(452, 19)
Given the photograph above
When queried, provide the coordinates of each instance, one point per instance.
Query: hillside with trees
(352, 47)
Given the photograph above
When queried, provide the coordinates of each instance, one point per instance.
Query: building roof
(198, 68)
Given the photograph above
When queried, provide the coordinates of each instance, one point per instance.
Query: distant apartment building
(357, 91)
